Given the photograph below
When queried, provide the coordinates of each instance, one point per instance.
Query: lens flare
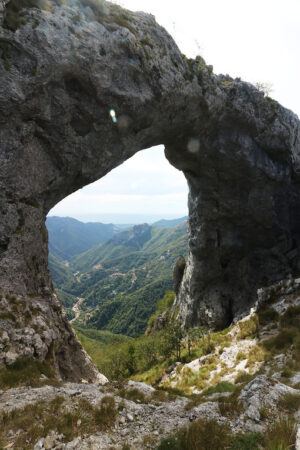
(193, 145)
(113, 116)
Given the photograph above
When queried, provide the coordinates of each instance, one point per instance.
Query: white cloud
(256, 40)
(145, 185)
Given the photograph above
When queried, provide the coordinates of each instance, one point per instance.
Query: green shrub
(248, 327)
(244, 377)
(249, 441)
(223, 386)
(106, 415)
(160, 395)
(162, 305)
(267, 315)
(287, 373)
(7, 315)
(291, 318)
(133, 395)
(26, 372)
(14, 16)
(201, 434)
(241, 356)
(283, 340)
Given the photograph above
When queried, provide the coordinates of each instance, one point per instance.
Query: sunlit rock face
(81, 91)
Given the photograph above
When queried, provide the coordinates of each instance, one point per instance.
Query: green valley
(122, 279)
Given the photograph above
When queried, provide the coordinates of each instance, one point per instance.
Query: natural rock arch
(61, 72)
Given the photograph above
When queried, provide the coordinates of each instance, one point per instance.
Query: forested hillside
(121, 279)
(69, 237)
(168, 223)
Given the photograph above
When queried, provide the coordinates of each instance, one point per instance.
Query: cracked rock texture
(61, 73)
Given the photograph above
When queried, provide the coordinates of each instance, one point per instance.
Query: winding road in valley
(76, 309)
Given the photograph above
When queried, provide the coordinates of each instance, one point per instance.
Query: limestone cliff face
(62, 73)
(244, 225)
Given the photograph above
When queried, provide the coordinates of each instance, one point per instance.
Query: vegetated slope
(122, 279)
(163, 223)
(68, 237)
(61, 273)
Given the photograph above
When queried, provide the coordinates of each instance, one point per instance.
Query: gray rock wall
(61, 72)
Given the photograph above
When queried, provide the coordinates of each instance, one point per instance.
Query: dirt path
(76, 309)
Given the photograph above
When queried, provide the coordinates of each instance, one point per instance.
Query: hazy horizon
(123, 219)
(144, 186)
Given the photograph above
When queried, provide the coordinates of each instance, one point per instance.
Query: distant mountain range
(69, 237)
(169, 223)
(120, 279)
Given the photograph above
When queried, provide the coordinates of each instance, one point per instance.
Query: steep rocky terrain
(254, 403)
(82, 89)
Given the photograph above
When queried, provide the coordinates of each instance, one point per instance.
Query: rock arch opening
(112, 258)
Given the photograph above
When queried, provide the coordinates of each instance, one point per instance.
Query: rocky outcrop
(82, 89)
(178, 272)
(263, 393)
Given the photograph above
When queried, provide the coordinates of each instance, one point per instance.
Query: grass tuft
(280, 435)
(202, 434)
(231, 406)
(223, 386)
(290, 403)
(135, 395)
(248, 328)
(71, 418)
(26, 372)
(106, 415)
(267, 315)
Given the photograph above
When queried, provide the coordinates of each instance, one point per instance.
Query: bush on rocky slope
(210, 435)
(27, 372)
(70, 418)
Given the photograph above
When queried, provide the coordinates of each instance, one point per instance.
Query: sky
(257, 40)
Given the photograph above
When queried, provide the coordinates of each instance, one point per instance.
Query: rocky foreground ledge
(141, 423)
(252, 394)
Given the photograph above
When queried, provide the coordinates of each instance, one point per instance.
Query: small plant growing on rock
(290, 403)
(280, 435)
(132, 394)
(26, 372)
(248, 441)
(201, 434)
(267, 315)
(248, 327)
(231, 406)
(106, 415)
(223, 386)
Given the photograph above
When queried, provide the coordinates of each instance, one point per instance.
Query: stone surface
(137, 421)
(262, 392)
(295, 379)
(297, 446)
(61, 73)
